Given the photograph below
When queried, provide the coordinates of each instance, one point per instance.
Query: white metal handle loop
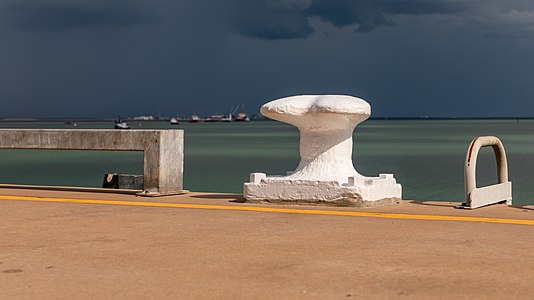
(471, 163)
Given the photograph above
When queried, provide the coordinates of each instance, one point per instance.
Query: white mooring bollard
(325, 174)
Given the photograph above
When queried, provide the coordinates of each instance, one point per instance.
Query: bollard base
(358, 192)
(342, 202)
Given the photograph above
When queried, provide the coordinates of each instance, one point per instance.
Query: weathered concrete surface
(163, 149)
(325, 174)
(65, 250)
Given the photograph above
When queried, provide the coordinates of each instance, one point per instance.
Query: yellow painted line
(277, 210)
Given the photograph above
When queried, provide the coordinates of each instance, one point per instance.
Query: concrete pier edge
(198, 245)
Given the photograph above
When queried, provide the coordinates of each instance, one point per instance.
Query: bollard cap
(304, 104)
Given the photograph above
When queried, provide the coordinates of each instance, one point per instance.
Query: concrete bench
(163, 150)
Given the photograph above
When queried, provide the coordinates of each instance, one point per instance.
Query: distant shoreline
(67, 120)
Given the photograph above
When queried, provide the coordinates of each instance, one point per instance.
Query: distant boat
(215, 118)
(174, 121)
(194, 119)
(227, 118)
(242, 117)
(120, 124)
(220, 118)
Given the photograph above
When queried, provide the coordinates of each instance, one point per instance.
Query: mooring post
(325, 174)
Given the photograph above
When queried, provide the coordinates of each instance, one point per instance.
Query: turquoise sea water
(426, 156)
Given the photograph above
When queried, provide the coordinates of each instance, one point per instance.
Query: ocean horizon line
(164, 119)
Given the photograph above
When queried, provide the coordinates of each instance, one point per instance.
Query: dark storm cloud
(289, 19)
(286, 19)
(183, 57)
(66, 14)
(366, 15)
(269, 20)
(369, 14)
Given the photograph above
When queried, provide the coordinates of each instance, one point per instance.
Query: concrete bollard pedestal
(325, 174)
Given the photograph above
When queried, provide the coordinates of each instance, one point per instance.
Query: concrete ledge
(69, 189)
(163, 150)
(88, 190)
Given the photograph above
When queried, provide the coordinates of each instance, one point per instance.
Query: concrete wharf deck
(57, 244)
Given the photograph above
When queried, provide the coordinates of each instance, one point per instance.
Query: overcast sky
(102, 58)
